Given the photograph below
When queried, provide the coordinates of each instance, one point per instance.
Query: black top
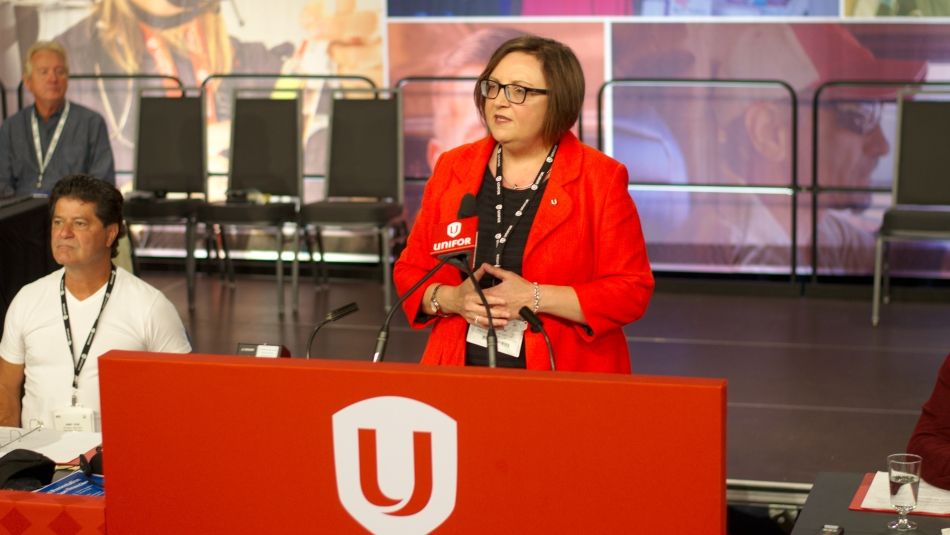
(512, 256)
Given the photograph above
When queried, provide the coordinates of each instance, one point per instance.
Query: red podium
(217, 444)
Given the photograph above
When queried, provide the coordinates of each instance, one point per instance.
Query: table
(828, 504)
(24, 246)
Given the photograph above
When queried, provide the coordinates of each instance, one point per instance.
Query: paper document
(58, 446)
(930, 499)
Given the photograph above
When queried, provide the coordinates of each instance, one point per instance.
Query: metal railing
(270, 76)
(792, 189)
(132, 77)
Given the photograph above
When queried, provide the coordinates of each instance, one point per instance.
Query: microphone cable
(537, 327)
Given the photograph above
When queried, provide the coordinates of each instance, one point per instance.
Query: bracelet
(434, 301)
(537, 297)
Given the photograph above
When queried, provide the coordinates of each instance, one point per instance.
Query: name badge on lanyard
(76, 417)
(509, 338)
(42, 160)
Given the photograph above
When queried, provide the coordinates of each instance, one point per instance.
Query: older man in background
(54, 137)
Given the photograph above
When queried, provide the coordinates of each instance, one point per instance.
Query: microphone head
(342, 312)
(533, 320)
(468, 206)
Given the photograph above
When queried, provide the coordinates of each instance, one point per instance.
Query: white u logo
(453, 229)
(396, 462)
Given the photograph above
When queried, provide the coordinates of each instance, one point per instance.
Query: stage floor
(812, 386)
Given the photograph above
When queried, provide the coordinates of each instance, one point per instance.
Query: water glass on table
(903, 470)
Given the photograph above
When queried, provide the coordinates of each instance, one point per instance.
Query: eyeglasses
(860, 117)
(516, 94)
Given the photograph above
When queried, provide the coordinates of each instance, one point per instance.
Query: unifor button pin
(498, 178)
(554, 202)
(498, 236)
(518, 213)
(534, 186)
(497, 207)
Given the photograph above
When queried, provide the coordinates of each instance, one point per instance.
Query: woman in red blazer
(558, 231)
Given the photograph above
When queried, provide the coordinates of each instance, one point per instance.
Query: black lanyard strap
(78, 364)
(501, 236)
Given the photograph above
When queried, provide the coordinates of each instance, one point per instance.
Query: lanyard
(502, 237)
(78, 365)
(41, 159)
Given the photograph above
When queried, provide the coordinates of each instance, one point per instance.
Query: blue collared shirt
(83, 148)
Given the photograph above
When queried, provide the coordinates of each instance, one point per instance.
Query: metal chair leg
(324, 272)
(295, 270)
(280, 270)
(886, 297)
(190, 267)
(876, 296)
(226, 255)
(385, 254)
(211, 249)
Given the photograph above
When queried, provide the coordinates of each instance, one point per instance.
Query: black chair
(265, 161)
(169, 159)
(920, 207)
(364, 182)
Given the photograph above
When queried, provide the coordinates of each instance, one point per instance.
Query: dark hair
(562, 73)
(87, 188)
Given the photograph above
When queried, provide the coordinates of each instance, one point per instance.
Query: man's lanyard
(41, 159)
(78, 365)
(502, 237)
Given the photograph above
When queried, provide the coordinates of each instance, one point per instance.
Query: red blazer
(586, 235)
(931, 438)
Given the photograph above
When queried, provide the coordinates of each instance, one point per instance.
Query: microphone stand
(537, 327)
(491, 338)
(383, 336)
(332, 316)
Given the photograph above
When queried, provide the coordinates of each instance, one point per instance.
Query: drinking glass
(903, 471)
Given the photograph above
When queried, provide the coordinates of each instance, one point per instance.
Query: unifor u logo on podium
(396, 463)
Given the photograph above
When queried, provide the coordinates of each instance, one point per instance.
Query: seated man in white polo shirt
(57, 326)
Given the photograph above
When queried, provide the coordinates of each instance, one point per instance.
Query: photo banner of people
(710, 165)
(740, 135)
(192, 40)
(644, 8)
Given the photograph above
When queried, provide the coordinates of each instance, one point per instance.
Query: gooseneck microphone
(383, 335)
(462, 235)
(331, 316)
(537, 327)
(467, 209)
(491, 338)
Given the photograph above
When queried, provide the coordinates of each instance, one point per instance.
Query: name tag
(74, 419)
(509, 338)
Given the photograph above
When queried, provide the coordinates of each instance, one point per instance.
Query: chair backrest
(922, 176)
(266, 146)
(365, 148)
(170, 145)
